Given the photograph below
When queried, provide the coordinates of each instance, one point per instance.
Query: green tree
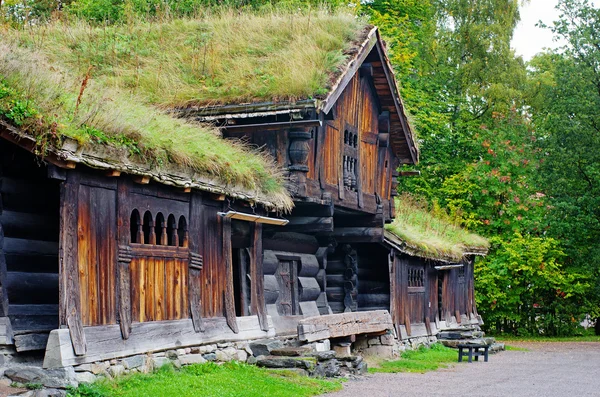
(565, 108)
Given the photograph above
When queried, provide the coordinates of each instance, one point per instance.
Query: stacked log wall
(29, 268)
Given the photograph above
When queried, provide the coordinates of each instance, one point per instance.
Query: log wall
(29, 236)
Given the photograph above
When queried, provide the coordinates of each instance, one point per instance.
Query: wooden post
(229, 293)
(257, 298)
(124, 259)
(196, 228)
(70, 305)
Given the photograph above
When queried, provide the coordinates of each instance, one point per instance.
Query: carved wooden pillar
(124, 257)
(299, 151)
(196, 227)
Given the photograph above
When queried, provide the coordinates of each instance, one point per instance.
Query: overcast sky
(528, 39)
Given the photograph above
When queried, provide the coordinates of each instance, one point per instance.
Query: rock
(160, 361)
(187, 350)
(49, 393)
(83, 368)
(374, 342)
(387, 339)
(116, 370)
(380, 351)
(171, 354)
(176, 363)
(113, 362)
(264, 347)
(25, 374)
(53, 378)
(192, 359)
(327, 369)
(223, 345)
(251, 360)
(85, 377)
(342, 350)
(361, 368)
(223, 356)
(449, 335)
(323, 345)
(291, 351)
(241, 355)
(286, 362)
(326, 355)
(180, 352)
(100, 368)
(489, 341)
(134, 362)
(210, 357)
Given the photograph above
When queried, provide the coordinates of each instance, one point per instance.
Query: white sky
(528, 39)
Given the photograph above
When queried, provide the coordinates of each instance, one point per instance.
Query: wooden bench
(473, 351)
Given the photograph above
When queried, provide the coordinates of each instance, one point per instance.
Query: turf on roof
(431, 236)
(107, 85)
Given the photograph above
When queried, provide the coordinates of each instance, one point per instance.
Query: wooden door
(416, 293)
(287, 278)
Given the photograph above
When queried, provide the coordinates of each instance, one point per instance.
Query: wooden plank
(70, 305)
(310, 224)
(196, 231)
(31, 342)
(124, 259)
(243, 272)
(228, 265)
(105, 342)
(358, 234)
(257, 298)
(343, 324)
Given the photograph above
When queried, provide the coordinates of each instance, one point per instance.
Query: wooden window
(416, 277)
(135, 226)
(350, 159)
(182, 232)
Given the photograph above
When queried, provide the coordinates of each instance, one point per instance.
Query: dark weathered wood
(124, 259)
(343, 324)
(243, 256)
(358, 234)
(3, 277)
(31, 342)
(228, 266)
(196, 230)
(310, 224)
(106, 343)
(70, 306)
(257, 300)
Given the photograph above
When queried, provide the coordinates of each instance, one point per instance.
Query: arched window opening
(135, 227)
(160, 229)
(182, 232)
(346, 137)
(171, 231)
(148, 227)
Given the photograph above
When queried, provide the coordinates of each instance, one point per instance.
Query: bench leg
(486, 354)
(460, 354)
(470, 354)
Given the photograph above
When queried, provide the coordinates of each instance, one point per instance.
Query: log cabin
(108, 256)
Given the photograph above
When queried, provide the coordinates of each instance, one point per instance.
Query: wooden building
(104, 258)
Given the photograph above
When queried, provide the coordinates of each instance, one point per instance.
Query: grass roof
(432, 235)
(111, 85)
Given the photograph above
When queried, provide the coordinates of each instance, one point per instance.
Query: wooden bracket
(113, 173)
(141, 179)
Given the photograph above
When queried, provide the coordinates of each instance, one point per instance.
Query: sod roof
(101, 95)
(420, 232)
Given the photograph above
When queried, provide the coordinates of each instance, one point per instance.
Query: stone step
(292, 351)
(307, 363)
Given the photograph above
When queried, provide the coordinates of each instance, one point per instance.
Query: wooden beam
(257, 298)
(358, 234)
(196, 233)
(276, 126)
(310, 224)
(124, 258)
(343, 324)
(228, 265)
(70, 306)
(105, 342)
(187, 190)
(217, 197)
(141, 179)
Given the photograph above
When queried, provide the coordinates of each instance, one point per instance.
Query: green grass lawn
(420, 360)
(206, 380)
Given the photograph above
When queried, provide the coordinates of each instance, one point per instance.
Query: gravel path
(547, 369)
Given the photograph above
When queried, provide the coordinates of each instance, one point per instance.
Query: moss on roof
(431, 234)
(111, 85)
